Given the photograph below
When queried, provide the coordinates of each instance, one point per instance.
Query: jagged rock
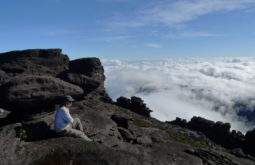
(88, 73)
(32, 93)
(124, 102)
(222, 127)
(34, 61)
(180, 122)
(90, 67)
(135, 104)
(236, 139)
(219, 132)
(249, 143)
(138, 106)
(201, 124)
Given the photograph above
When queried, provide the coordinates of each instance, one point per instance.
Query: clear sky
(130, 29)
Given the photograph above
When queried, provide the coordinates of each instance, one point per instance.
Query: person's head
(68, 101)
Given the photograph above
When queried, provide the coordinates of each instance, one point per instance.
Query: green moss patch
(142, 123)
(198, 142)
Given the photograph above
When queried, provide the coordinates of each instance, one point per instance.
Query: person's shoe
(87, 139)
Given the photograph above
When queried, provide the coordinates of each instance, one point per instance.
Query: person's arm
(67, 117)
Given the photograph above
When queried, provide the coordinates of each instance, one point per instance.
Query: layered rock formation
(32, 84)
(88, 73)
(135, 104)
(34, 92)
(37, 61)
(220, 133)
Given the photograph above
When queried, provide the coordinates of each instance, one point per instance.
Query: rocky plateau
(32, 85)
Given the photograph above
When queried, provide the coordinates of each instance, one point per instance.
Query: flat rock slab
(36, 61)
(29, 91)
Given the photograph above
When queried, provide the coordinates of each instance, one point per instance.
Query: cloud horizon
(211, 88)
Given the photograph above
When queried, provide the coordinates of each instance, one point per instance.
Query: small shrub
(24, 134)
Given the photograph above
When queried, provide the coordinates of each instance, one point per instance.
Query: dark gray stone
(34, 61)
(87, 73)
(31, 93)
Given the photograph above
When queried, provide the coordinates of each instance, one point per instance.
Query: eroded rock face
(36, 61)
(86, 83)
(34, 81)
(90, 67)
(88, 73)
(135, 104)
(217, 131)
(220, 133)
(31, 92)
(119, 135)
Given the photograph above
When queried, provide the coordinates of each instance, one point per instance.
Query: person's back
(65, 125)
(62, 119)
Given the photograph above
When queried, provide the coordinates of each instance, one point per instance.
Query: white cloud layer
(187, 87)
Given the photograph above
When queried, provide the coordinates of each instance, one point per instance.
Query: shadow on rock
(35, 132)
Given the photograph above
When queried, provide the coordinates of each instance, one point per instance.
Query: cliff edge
(32, 85)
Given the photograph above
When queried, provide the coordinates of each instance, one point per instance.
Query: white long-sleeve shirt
(62, 119)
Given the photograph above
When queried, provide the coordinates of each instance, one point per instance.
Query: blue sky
(130, 29)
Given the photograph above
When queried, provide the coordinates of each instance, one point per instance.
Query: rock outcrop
(36, 61)
(135, 104)
(221, 134)
(87, 73)
(32, 83)
(32, 92)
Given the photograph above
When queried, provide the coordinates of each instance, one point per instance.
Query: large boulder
(138, 106)
(35, 61)
(135, 104)
(201, 124)
(32, 93)
(90, 67)
(87, 73)
(218, 132)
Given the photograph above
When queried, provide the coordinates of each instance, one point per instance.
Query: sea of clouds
(212, 88)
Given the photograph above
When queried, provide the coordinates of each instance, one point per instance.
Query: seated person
(64, 123)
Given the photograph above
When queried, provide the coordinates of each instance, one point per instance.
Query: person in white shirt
(64, 123)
